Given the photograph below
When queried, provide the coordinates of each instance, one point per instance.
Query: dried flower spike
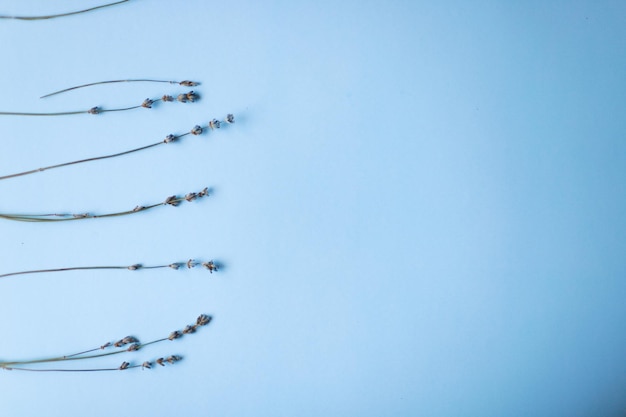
(214, 124)
(146, 365)
(211, 266)
(183, 83)
(172, 200)
(125, 341)
(230, 118)
(166, 98)
(134, 267)
(192, 96)
(175, 335)
(188, 83)
(147, 103)
(124, 365)
(134, 347)
(169, 138)
(173, 358)
(189, 329)
(203, 320)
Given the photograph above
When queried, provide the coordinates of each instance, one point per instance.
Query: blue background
(419, 210)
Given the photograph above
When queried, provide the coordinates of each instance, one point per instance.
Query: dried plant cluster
(112, 348)
(189, 97)
(127, 344)
(196, 131)
(211, 266)
(172, 200)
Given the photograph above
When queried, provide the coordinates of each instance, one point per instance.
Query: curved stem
(52, 16)
(173, 200)
(93, 110)
(82, 268)
(124, 109)
(61, 269)
(33, 171)
(8, 368)
(65, 113)
(108, 82)
(77, 356)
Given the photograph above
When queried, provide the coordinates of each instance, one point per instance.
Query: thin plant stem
(202, 320)
(10, 368)
(52, 16)
(197, 130)
(172, 200)
(210, 265)
(33, 171)
(147, 103)
(185, 83)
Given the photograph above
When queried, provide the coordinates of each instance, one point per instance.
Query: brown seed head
(182, 98)
(176, 334)
(172, 201)
(167, 98)
(94, 110)
(147, 103)
(204, 192)
(196, 130)
(134, 347)
(188, 83)
(124, 365)
(203, 320)
(129, 339)
(173, 358)
(192, 96)
(189, 329)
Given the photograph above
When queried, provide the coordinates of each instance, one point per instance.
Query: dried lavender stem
(73, 357)
(185, 83)
(135, 345)
(69, 370)
(78, 268)
(133, 267)
(78, 356)
(173, 200)
(52, 16)
(171, 138)
(33, 171)
(8, 113)
(97, 110)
